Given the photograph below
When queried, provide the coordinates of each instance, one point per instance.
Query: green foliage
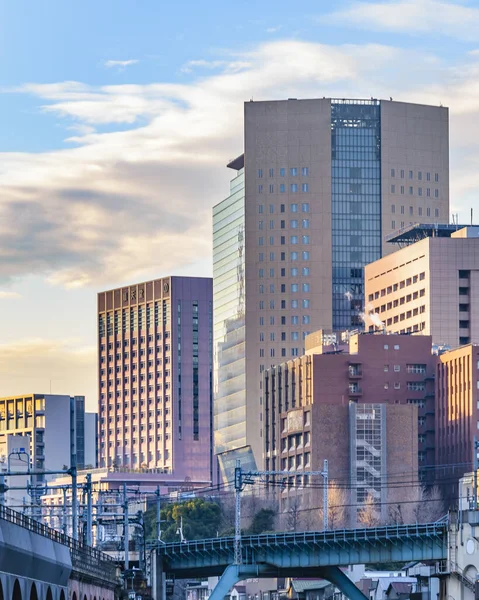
(201, 519)
(263, 521)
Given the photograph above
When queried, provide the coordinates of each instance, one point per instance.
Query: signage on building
(295, 420)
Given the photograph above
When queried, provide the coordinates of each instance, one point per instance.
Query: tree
(262, 521)
(416, 504)
(293, 515)
(368, 515)
(201, 519)
(338, 513)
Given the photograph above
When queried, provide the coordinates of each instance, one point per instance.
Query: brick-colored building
(155, 377)
(430, 286)
(372, 369)
(457, 412)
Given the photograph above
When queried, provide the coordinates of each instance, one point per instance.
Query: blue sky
(117, 118)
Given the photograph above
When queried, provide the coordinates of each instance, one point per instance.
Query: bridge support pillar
(158, 579)
(342, 581)
(231, 576)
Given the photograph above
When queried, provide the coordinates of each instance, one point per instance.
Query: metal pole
(74, 499)
(325, 495)
(238, 558)
(89, 511)
(64, 511)
(2, 489)
(126, 535)
(475, 473)
(158, 514)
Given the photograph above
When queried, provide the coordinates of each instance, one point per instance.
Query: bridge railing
(85, 559)
(335, 536)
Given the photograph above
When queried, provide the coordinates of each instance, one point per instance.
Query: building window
(393, 209)
(393, 189)
(271, 172)
(393, 172)
(260, 173)
(305, 223)
(294, 239)
(305, 187)
(282, 172)
(305, 239)
(260, 189)
(293, 171)
(305, 171)
(294, 187)
(293, 224)
(293, 208)
(305, 255)
(282, 188)
(294, 288)
(271, 188)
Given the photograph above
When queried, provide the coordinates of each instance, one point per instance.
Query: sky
(117, 119)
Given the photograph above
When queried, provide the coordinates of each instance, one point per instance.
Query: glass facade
(229, 319)
(356, 203)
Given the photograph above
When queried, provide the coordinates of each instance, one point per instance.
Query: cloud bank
(135, 200)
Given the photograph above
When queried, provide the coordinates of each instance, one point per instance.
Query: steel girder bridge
(307, 554)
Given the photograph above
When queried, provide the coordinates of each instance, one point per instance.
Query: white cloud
(224, 65)
(437, 17)
(9, 295)
(128, 204)
(40, 365)
(109, 64)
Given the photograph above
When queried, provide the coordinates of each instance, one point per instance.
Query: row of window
(295, 442)
(293, 188)
(305, 303)
(294, 239)
(402, 174)
(420, 211)
(294, 335)
(272, 353)
(408, 315)
(293, 172)
(402, 189)
(305, 255)
(293, 224)
(400, 285)
(294, 208)
(305, 287)
(402, 224)
(305, 271)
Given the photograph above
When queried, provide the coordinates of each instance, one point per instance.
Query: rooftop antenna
(472, 214)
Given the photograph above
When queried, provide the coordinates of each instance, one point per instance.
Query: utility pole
(325, 496)
(89, 511)
(64, 511)
(243, 478)
(238, 555)
(158, 514)
(73, 472)
(126, 535)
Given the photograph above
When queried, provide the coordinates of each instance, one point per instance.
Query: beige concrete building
(320, 185)
(430, 286)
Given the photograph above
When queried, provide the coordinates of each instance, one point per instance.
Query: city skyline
(105, 152)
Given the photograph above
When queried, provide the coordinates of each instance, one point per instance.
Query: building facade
(457, 413)
(320, 185)
(53, 424)
(155, 377)
(366, 369)
(430, 286)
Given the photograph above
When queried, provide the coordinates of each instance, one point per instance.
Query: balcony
(355, 390)
(355, 371)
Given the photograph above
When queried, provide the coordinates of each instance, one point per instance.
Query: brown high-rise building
(430, 286)
(366, 369)
(319, 186)
(155, 377)
(457, 413)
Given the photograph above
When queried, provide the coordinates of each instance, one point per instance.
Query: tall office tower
(320, 185)
(155, 377)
